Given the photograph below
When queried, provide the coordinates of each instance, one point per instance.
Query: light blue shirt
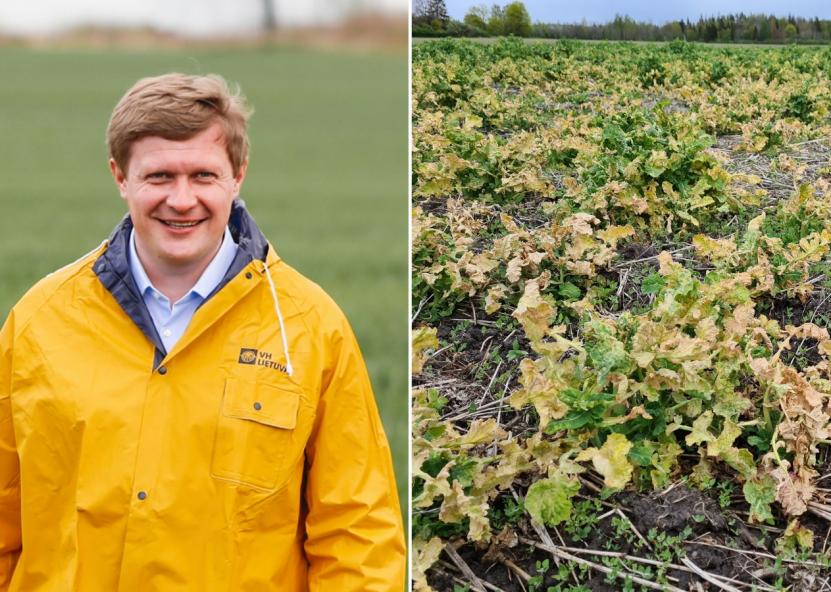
(172, 320)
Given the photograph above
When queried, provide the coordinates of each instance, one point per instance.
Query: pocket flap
(263, 403)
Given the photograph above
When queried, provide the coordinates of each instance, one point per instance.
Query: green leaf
(572, 421)
(464, 470)
(641, 453)
(665, 462)
(605, 351)
(434, 431)
(548, 501)
(569, 291)
(760, 494)
(652, 283)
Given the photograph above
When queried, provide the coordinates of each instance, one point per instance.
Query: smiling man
(180, 409)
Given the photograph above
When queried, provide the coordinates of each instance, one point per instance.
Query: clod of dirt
(679, 507)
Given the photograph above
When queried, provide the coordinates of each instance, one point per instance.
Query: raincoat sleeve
(10, 537)
(355, 536)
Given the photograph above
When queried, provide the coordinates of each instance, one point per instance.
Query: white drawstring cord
(289, 368)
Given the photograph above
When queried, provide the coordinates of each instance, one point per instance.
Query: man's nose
(182, 195)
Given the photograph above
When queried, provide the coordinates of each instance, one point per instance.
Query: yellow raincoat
(249, 458)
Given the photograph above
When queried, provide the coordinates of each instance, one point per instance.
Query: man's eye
(205, 175)
(158, 176)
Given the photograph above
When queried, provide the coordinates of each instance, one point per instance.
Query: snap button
(142, 495)
(248, 275)
(257, 406)
(162, 370)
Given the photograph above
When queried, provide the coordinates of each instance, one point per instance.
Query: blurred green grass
(327, 181)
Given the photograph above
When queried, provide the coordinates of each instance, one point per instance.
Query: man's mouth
(173, 224)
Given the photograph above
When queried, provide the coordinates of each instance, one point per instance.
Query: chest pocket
(261, 433)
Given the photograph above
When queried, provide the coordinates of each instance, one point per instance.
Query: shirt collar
(206, 283)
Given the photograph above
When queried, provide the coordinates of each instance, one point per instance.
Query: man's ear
(119, 177)
(240, 177)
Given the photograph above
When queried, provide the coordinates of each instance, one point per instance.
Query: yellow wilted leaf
(610, 460)
(522, 143)
(425, 555)
(796, 537)
(636, 411)
(482, 432)
(438, 486)
(514, 271)
(548, 501)
(725, 440)
(643, 359)
(533, 312)
(714, 249)
(472, 121)
(657, 163)
(670, 191)
(756, 223)
(687, 217)
(515, 459)
(581, 268)
(580, 223)
(526, 179)
(479, 267)
(457, 505)
(742, 317)
(540, 391)
(793, 491)
(452, 163)
(707, 330)
(665, 263)
(701, 430)
(581, 244)
(740, 460)
(493, 299)
(613, 234)
(424, 338)
(510, 225)
(807, 331)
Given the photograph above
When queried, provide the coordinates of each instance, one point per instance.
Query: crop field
(336, 213)
(621, 299)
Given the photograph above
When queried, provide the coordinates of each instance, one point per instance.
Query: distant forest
(430, 19)
(739, 28)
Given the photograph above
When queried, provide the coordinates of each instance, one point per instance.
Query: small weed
(535, 583)
(583, 519)
(725, 494)
(516, 353)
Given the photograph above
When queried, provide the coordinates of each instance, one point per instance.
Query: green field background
(327, 181)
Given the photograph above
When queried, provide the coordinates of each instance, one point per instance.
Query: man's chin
(181, 260)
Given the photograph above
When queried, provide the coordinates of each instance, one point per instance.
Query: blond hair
(177, 107)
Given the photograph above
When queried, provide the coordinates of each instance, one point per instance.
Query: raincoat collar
(113, 268)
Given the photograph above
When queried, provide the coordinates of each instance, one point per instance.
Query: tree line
(430, 19)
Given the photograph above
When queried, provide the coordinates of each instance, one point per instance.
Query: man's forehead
(208, 146)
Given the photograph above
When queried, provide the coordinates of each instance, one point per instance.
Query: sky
(601, 11)
(197, 17)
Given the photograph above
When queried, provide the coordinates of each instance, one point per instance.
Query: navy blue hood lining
(113, 268)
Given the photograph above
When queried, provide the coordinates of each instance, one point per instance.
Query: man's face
(179, 195)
